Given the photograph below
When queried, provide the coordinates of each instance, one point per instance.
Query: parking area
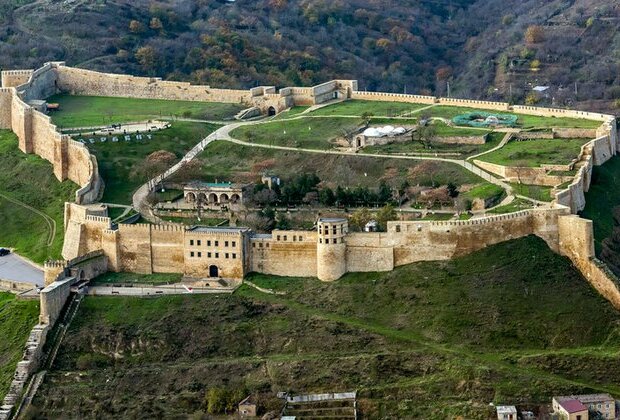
(15, 268)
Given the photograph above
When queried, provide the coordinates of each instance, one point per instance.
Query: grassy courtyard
(17, 317)
(533, 153)
(119, 162)
(29, 180)
(375, 108)
(537, 192)
(306, 133)
(226, 161)
(430, 340)
(87, 111)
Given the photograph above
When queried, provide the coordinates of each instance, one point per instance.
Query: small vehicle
(4, 251)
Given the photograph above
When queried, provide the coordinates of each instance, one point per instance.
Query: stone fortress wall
(148, 248)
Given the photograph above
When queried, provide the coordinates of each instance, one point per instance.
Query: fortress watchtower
(331, 248)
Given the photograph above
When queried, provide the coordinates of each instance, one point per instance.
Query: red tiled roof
(572, 406)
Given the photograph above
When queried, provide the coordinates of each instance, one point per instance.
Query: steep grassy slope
(17, 317)
(30, 180)
(429, 340)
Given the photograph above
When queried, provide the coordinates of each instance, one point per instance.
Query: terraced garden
(121, 164)
(534, 153)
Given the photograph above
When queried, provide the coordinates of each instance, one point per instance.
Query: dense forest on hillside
(496, 49)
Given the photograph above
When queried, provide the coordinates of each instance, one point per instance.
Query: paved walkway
(15, 268)
(154, 290)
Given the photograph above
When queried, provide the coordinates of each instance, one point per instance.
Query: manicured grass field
(534, 153)
(413, 147)
(87, 111)
(231, 162)
(293, 112)
(307, 133)
(431, 340)
(17, 317)
(30, 180)
(537, 192)
(601, 199)
(516, 205)
(375, 108)
(118, 161)
(486, 191)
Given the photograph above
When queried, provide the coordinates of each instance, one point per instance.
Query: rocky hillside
(495, 49)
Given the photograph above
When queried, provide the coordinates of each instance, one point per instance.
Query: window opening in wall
(191, 254)
(226, 255)
(217, 243)
(234, 244)
(285, 237)
(326, 241)
(191, 242)
(301, 238)
(199, 254)
(208, 243)
(198, 242)
(226, 244)
(208, 255)
(217, 255)
(260, 245)
(234, 256)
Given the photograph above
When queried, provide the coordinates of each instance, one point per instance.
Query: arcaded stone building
(215, 193)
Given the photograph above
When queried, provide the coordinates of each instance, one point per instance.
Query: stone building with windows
(215, 193)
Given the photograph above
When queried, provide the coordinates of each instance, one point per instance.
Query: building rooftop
(572, 405)
(506, 409)
(262, 236)
(218, 229)
(587, 398)
(200, 184)
(332, 219)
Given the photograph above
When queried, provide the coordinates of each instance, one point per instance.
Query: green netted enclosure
(485, 119)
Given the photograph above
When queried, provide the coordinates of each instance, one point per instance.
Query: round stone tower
(331, 248)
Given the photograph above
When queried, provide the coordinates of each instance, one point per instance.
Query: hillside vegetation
(27, 181)
(432, 340)
(17, 317)
(484, 48)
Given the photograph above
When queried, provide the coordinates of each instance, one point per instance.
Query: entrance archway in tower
(214, 271)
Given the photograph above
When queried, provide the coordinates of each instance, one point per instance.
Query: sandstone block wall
(285, 258)
(167, 248)
(393, 97)
(14, 78)
(576, 240)
(369, 252)
(53, 299)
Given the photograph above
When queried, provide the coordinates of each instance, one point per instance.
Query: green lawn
(517, 204)
(375, 108)
(86, 111)
(431, 340)
(307, 133)
(292, 112)
(230, 162)
(413, 147)
(537, 192)
(486, 191)
(29, 179)
(602, 198)
(534, 153)
(17, 317)
(443, 130)
(119, 162)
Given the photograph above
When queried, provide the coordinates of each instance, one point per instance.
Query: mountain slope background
(483, 48)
